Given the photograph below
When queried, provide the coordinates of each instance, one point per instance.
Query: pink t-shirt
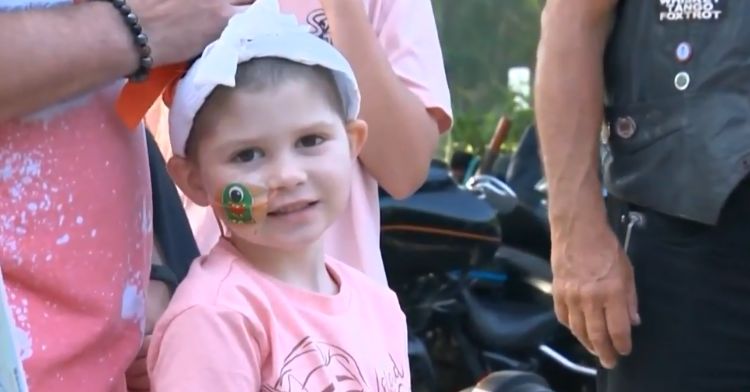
(231, 328)
(406, 29)
(75, 229)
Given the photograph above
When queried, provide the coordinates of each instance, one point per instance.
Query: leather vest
(677, 77)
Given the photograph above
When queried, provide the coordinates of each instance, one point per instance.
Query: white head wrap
(260, 31)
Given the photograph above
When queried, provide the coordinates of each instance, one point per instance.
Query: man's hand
(594, 291)
(180, 29)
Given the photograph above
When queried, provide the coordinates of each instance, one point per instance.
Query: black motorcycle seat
(524, 228)
(508, 326)
(458, 209)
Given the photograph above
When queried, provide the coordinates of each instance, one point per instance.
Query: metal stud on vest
(625, 127)
(682, 81)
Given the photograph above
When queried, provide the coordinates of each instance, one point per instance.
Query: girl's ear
(186, 176)
(356, 131)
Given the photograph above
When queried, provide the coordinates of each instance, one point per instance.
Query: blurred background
(489, 48)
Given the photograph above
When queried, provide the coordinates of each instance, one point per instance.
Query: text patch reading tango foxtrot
(691, 10)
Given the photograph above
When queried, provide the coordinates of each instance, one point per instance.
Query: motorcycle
(474, 303)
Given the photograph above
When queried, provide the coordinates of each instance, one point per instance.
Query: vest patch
(691, 10)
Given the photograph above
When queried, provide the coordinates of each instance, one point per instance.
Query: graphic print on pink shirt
(313, 363)
(310, 360)
(75, 232)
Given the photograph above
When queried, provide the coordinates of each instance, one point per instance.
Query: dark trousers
(693, 284)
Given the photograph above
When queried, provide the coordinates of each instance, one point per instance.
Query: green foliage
(481, 40)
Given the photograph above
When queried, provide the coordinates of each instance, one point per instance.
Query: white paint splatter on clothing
(23, 342)
(63, 240)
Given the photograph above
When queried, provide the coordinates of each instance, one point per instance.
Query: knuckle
(224, 13)
(598, 337)
(588, 292)
(620, 336)
(573, 295)
(557, 286)
(583, 336)
(218, 10)
(590, 298)
(612, 289)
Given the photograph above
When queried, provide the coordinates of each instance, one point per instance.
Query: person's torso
(353, 340)
(677, 74)
(75, 228)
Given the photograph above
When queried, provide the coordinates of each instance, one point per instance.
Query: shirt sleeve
(407, 31)
(205, 349)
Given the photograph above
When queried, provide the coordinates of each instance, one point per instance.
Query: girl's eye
(247, 155)
(310, 141)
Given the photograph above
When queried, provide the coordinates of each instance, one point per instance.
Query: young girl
(263, 128)
(394, 50)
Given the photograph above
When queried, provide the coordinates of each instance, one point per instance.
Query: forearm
(569, 108)
(60, 52)
(403, 135)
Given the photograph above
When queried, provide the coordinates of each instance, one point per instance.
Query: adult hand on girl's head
(180, 29)
(339, 8)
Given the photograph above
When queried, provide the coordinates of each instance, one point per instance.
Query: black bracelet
(139, 38)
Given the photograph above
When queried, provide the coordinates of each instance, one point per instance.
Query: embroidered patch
(691, 10)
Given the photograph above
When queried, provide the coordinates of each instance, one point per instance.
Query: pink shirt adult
(407, 32)
(75, 239)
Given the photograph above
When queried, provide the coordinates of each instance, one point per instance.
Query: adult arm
(403, 132)
(64, 51)
(592, 277)
(60, 52)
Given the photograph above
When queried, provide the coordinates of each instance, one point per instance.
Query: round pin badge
(682, 81)
(683, 52)
(625, 127)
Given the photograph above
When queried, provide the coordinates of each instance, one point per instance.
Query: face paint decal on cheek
(243, 203)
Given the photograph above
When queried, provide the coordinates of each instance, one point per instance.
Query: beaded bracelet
(139, 38)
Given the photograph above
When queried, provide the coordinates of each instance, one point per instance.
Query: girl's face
(288, 147)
